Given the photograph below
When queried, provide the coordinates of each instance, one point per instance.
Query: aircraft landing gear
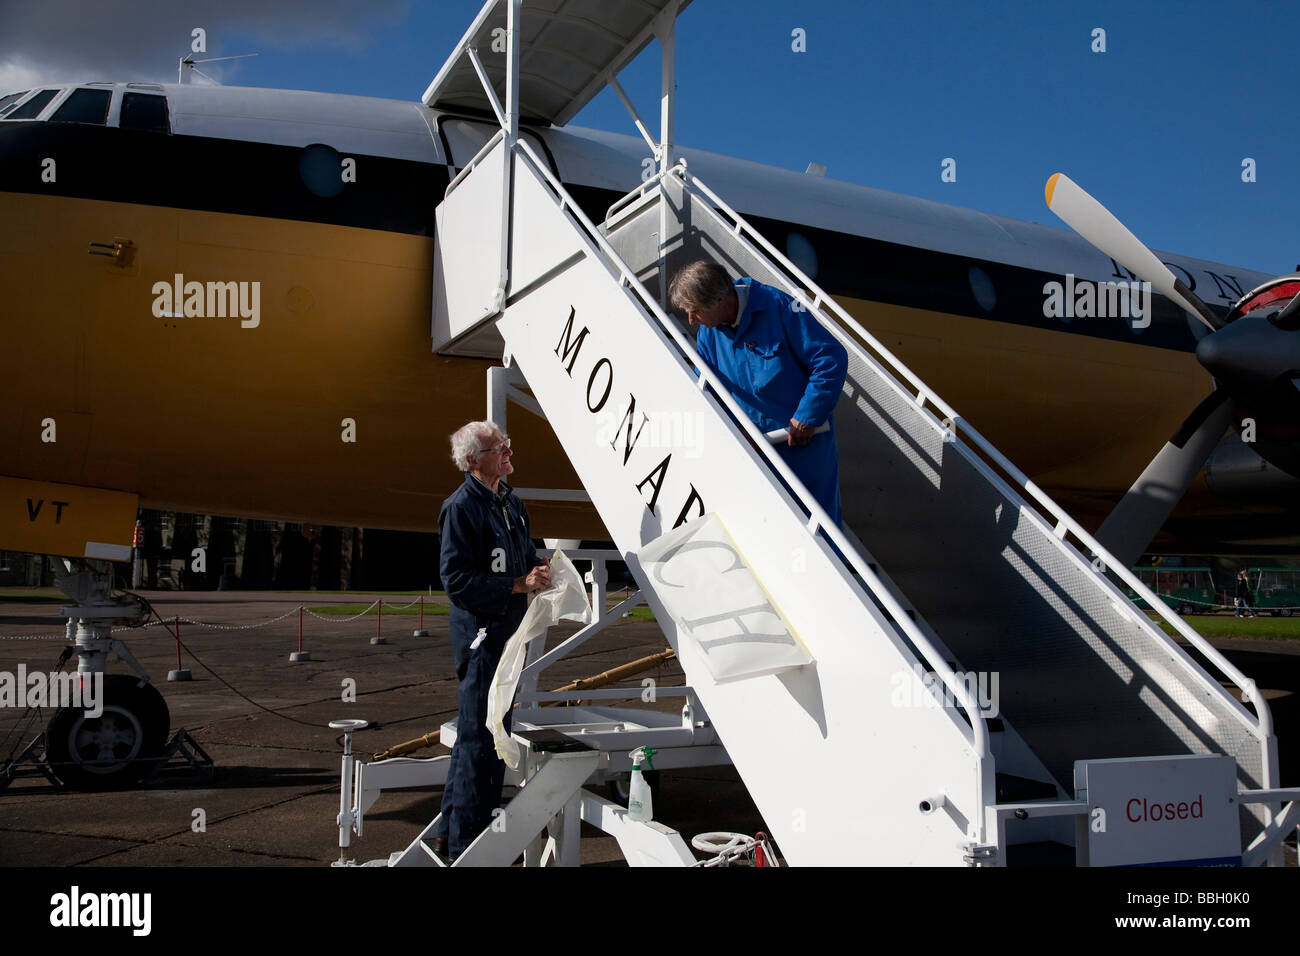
(121, 745)
(115, 749)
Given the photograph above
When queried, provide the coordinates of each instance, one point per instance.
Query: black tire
(117, 748)
(617, 787)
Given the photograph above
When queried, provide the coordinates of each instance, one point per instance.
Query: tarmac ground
(274, 794)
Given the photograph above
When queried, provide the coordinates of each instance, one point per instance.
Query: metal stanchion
(379, 626)
(299, 654)
(180, 673)
(420, 631)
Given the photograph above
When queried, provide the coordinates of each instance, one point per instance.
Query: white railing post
(599, 578)
(666, 30)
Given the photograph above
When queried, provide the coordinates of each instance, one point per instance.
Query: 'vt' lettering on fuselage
(33, 511)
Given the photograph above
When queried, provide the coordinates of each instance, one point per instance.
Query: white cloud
(73, 40)
(17, 74)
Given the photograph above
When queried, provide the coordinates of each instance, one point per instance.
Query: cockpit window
(9, 101)
(84, 106)
(145, 111)
(32, 108)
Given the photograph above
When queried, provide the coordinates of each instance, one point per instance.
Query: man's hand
(538, 579)
(800, 434)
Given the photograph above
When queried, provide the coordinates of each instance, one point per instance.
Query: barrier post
(180, 673)
(420, 631)
(379, 626)
(299, 654)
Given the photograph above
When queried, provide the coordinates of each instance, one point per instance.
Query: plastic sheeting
(564, 600)
(719, 604)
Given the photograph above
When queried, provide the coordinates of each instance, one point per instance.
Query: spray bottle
(639, 805)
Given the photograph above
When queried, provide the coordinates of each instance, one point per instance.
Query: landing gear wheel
(115, 749)
(618, 787)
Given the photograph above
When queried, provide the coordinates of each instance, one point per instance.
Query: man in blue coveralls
(488, 566)
(782, 367)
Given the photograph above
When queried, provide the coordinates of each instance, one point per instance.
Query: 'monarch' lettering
(600, 385)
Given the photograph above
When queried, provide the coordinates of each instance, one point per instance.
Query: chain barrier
(225, 627)
(330, 618)
(337, 619)
(1219, 605)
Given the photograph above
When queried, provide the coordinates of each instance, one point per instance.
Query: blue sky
(1156, 127)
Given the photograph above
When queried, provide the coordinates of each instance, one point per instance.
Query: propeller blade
(1130, 528)
(1094, 222)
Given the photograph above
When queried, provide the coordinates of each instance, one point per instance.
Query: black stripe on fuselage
(260, 179)
(216, 175)
(877, 271)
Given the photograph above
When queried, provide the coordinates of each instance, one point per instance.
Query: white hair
(467, 443)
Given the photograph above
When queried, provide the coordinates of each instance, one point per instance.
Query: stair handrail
(629, 199)
(481, 155)
(978, 738)
(1261, 727)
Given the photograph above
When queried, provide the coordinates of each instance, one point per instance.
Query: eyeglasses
(499, 447)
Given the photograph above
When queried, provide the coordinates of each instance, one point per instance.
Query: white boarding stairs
(844, 755)
(820, 672)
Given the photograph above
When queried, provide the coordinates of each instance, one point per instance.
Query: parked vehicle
(1188, 589)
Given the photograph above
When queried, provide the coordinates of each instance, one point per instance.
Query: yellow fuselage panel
(1070, 410)
(232, 415)
(205, 414)
(49, 518)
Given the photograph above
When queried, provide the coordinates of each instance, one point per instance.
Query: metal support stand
(181, 753)
(546, 802)
(34, 754)
(348, 821)
(543, 822)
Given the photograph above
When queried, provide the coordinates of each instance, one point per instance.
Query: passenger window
(84, 106)
(10, 101)
(32, 108)
(145, 111)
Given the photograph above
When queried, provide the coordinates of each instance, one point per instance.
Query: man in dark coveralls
(488, 566)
